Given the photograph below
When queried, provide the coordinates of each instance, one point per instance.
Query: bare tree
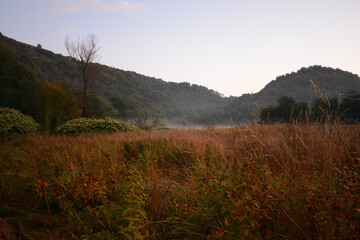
(85, 53)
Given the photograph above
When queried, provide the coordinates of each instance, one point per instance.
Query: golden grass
(259, 182)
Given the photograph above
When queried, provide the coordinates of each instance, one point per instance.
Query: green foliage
(350, 106)
(13, 122)
(330, 109)
(17, 83)
(91, 125)
(99, 107)
(120, 106)
(297, 84)
(324, 109)
(54, 105)
(286, 111)
(162, 128)
(146, 124)
(48, 103)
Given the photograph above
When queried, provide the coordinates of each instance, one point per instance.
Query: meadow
(290, 181)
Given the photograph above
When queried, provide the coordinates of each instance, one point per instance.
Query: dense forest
(39, 75)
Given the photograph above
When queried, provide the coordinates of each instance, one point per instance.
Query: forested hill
(297, 85)
(144, 97)
(139, 96)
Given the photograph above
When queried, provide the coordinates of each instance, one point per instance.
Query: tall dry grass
(253, 182)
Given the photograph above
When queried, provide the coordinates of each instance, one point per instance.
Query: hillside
(144, 96)
(180, 103)
(297, 85)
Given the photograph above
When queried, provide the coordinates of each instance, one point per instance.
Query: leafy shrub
(162, 128)
(91, 125)
(99, 107)
(54, 106)
(14, 122)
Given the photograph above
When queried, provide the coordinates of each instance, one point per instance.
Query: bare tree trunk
(84, 105)
(84, 94)
(84, 54)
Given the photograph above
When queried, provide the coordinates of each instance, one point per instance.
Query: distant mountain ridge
(181, 102)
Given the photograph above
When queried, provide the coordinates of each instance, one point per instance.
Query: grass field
(252, 182)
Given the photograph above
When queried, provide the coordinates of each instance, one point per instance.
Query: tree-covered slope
(297, 85)
(17, 83)
(148, 97)
(144, 96)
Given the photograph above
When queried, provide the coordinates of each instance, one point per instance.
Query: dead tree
(85, 53)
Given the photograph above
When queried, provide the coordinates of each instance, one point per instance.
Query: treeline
(345, 108)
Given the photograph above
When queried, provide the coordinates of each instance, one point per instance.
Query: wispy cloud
(75, 6)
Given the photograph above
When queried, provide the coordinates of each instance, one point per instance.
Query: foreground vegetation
(13, 122)
(254, 182)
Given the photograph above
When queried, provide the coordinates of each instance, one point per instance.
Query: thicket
(287, 110)
(92, 125)
(254, 182)
(54, 106)
(12, 122)
(345, 108)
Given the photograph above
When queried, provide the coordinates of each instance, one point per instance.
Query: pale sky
(231, 46)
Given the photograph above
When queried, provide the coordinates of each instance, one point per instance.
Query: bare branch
(85, 53)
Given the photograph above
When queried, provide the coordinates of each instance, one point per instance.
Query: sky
(230, 46)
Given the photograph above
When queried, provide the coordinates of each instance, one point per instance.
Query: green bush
(13, 122)
(91, 125)
(162, 128)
